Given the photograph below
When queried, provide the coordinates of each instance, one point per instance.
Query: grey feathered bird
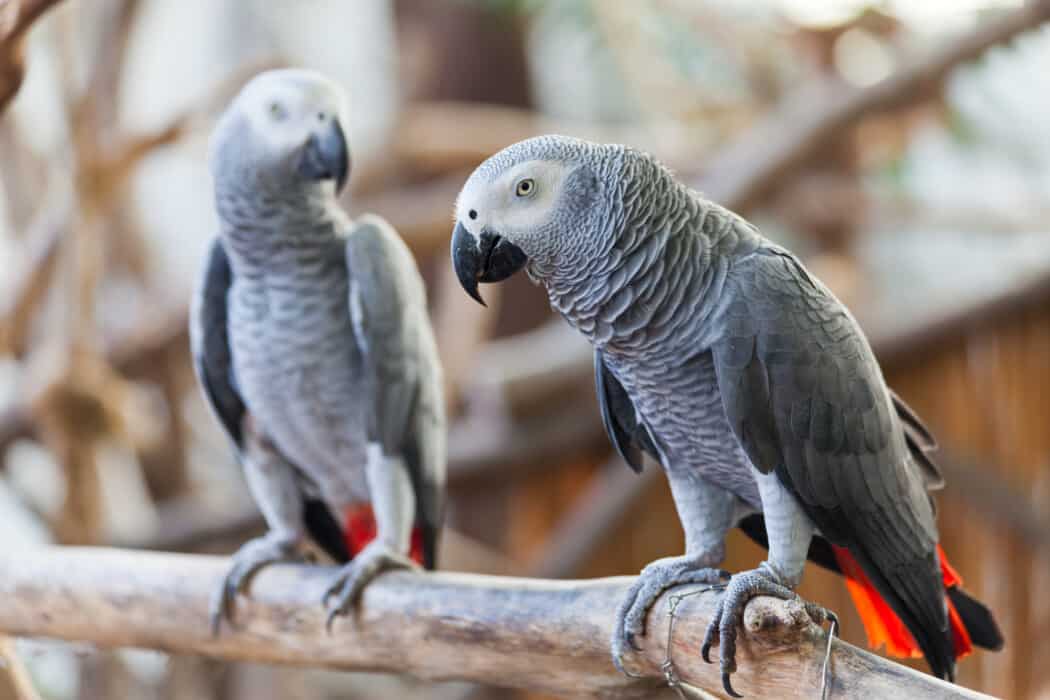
(312, 343)
(719, 355)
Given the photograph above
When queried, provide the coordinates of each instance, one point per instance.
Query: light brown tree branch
(16, 16)
(14, 678)
(28, 294)
(441, 138)
(550, 636)
(747, 170)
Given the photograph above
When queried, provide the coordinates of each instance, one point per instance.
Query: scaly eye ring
(525, 187)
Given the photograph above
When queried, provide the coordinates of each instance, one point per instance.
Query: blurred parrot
(311, 341)
(721, 357)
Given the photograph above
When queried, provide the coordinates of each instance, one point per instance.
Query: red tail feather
(882, 625)
(360, 529)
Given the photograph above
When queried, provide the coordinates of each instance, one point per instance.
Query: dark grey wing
(213, 363)
(406, 404)
(805, 397)
(920, 441)
(209, 343)
(629, 436)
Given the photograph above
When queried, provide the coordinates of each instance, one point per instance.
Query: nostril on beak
(473, 214)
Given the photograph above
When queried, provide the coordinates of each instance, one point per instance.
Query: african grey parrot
(719, 355)
(311, 341)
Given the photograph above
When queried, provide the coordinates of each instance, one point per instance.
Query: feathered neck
(262, 222)
(651, 260)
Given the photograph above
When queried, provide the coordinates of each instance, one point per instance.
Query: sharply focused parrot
(311, 341)
(721, 357)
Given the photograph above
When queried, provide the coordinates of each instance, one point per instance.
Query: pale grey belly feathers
(682, 406)
(299, 371)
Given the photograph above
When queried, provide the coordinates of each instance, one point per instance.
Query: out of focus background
(907, 162)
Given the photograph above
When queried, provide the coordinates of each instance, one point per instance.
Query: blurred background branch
(16, 16)
(13, 673)
(797, 131)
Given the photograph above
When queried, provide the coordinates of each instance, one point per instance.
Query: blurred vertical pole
(463, 51)
(453, 50)
(1040, 583)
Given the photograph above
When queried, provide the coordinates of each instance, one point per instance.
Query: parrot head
(535, 203)
(283, 128)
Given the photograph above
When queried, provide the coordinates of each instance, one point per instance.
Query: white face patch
(520, 200)
(284, 107)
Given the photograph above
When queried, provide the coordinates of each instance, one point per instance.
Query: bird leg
(350, 581)
(272, 481)
(274, 546)
(394, 505)
(729, 615)
(654, 579)
(707, 514)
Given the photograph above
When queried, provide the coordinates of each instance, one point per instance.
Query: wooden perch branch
(550, 636)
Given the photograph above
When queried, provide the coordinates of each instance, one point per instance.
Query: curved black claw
(350, 581)
(643, 593)
(729, 615)
(729, 686)
(252, 556)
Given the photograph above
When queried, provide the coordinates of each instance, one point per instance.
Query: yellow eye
(525, 187)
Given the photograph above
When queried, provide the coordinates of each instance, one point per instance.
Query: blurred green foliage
(575, 9)
(509, 7)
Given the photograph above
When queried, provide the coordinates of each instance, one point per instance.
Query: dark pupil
(526, 186)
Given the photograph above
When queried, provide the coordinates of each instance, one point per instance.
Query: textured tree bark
(550, 636)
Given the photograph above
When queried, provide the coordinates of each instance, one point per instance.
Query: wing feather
(805, 397)
(407, 413)
(627, 433)
(210, 346)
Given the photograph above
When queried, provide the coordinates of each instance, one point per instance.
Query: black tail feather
(978, 620)
(325, 530)
(430, 545)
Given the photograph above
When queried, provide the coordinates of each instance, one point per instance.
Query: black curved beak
(326, 156)
(491, 258)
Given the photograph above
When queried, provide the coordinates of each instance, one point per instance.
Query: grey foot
(729, 615)
(352, 578)
(252, 556)
(654, 579)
